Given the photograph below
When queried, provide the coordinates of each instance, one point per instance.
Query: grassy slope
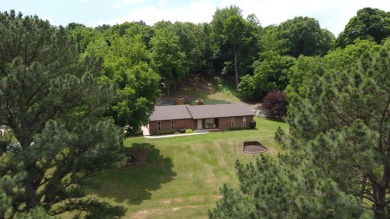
(182, 175)
(210, 90)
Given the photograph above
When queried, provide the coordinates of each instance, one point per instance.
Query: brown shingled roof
(219, 110)
(200, 111)
(170, 113)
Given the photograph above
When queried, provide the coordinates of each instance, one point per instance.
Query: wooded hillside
(66, 93)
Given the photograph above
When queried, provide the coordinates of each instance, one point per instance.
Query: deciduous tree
(304, 36)
(368, 24)
(126, 66)
(308, 69)
(82, 35)
(304, 71)
(275, 103)
(190, 39)
(270, 40)
(236, 41)
(168, 59)
(271, 73)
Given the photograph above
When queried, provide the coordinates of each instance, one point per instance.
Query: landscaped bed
(253, 147)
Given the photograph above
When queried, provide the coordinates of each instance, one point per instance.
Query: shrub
(188, 131)
(133, 134)
(167, 132)
(238, 128)
(247, 87)
(275, 104)
(252, 125)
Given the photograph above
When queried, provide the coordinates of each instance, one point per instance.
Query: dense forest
(67, 92)
(254, 60)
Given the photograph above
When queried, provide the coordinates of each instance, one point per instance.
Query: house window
(244, 121)
(172, 124)
(159, 126)
(232, 121)
(210, 123)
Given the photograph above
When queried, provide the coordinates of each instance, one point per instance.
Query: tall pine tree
(50, 100)
(338, 159)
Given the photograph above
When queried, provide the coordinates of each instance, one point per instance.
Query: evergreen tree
(337, 163)
(345, 116)
(50, 99)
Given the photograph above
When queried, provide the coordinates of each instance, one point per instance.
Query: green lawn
(182, 175)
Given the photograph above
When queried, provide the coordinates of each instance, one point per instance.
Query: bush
(188, 131)
(252, 125)
(133, 134)
(167, 132)
(247, 87)
(275, 104)
(238, 128)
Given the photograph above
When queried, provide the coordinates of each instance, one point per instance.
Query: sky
(331, 14)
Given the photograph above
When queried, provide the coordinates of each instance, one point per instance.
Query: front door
(199, 124)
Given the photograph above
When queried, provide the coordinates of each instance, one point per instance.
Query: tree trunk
(30, 189)
(236, 69)
(363, 188)
(379, 193)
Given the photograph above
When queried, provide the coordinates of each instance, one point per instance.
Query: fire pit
(253, 147)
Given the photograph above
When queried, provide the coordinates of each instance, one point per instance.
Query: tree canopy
(303, 36)
(126, 67)
(52, 103)
(236, 41)
(271, 74)
(337, 164)
(275, 104)
(168, 59)
(66, 94)
(369, 24)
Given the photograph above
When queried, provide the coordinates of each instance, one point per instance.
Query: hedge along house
(212, 117)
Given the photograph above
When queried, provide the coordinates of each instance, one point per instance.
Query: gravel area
(253, 147)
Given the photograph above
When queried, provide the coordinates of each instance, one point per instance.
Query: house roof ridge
(189, 111)
(172, 112)
(219, 110)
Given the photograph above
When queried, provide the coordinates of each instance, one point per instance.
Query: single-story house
(213, 117)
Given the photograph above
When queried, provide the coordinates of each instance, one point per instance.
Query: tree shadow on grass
(278, 120)
(134, 184)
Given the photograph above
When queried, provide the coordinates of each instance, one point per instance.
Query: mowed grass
(182, 175)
